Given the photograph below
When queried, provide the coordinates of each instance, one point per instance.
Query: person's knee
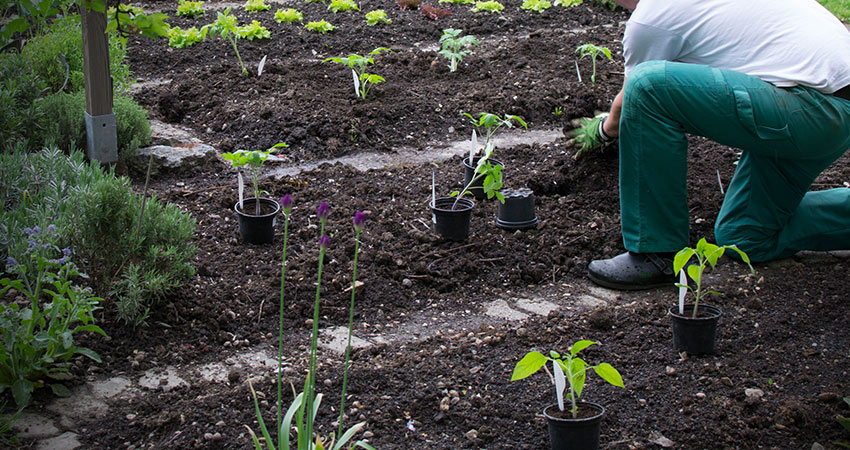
(755, 242)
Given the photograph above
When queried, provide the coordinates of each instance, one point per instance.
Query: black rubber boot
(633, 271)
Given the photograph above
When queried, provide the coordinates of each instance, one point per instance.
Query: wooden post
(101, 132)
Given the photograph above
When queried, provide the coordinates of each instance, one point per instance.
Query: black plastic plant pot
(517, 213)
(477, 187)
(695, 335)
(581, 433)
(257, 229)
(452, 224)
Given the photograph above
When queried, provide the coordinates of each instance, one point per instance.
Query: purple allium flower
(359, 220)
(286, 203)
(323, 210)
(324, 242)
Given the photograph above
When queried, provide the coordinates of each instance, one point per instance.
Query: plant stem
(280, 327)
(310, 385)
(350, 325)
(233, 41)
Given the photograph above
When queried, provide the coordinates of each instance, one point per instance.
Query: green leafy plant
(567, 3)
(256, 6)
(593, 51)
(288, 15)
(227, 28)
(488, 5)
(458, 2)
(305, 406)
(487, 124)
(455, 47)
(128, 19)
(322, 26)
(343, 5)
(180, 38)
(363, 81)
(190, 8)
(569, 370)
(492, 174)
(38, 338)
(536, 5)
(253, 31)
(377, 16)
(706, 254)
(253, 160)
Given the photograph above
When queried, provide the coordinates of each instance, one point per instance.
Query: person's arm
(611, 126)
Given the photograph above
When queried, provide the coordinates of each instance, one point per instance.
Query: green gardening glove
(588, 134)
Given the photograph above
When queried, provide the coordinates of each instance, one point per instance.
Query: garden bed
(424, 302)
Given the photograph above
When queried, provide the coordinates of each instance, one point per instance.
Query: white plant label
(260, 66)
(433, 191)
(241, 188)
(560, 383)
(356, 82)
(683, 280)
(473, 147)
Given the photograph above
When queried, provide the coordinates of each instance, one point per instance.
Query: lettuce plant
(377, 16)
(179, 38)
(227, 28)
(488, 5)
(190, 8)
(253, 31)
(458, 2)
(567, 3)
(362, 81)
(593, 51)
(408, 4)
(568, 369)
(536, 5)
(434, 12)
(256, 6)
(455, 46)
(288, 15)
(705, 253)
(343, 5)
(321, 26)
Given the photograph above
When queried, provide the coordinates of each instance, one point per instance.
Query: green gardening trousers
(788, 136)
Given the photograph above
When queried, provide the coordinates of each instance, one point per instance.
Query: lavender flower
(359, 221)
(66, 255)
(324, 242)
(323, 211)
(11, 263)
(286, 203)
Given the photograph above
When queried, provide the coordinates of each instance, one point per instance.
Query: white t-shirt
(783, 42)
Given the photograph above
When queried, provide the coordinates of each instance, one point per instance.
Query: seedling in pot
(362, 81)
(492, 174)
(706, 254)
(593, 51)
(569, 370)
(254, 160)
(489, 123)
(455, 47)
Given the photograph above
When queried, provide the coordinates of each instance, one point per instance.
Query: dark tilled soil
(783, 331)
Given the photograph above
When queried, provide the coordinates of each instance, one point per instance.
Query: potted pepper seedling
(486, 125)
(573, 426)
(695, 324)
(256, 215)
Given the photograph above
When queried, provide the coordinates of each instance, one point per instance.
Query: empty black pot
(257, 229)
(575, 434)
(452, 224)
(695, 335)
(477, 187)
(517, 213)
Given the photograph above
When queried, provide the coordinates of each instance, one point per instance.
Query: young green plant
(593, 51)
(343, 5)
(321, 26)
(179, 38)
(488, 5)
(455, 47)
(377, 16)
(253, 31)
(194, 9)
(253, 160)
(489, 123)
(227, 28)
(568, 370)
(256, 6)
(362, 81)
(288, 15)
(536, 5)
(706, 254)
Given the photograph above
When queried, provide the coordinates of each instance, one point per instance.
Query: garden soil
(437, 372)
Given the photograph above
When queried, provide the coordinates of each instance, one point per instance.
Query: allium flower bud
(286, 203)
(323, 210)
(359, 220)
(324, 242)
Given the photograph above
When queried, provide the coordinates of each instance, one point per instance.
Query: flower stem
(350, 325)
(280, 327)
